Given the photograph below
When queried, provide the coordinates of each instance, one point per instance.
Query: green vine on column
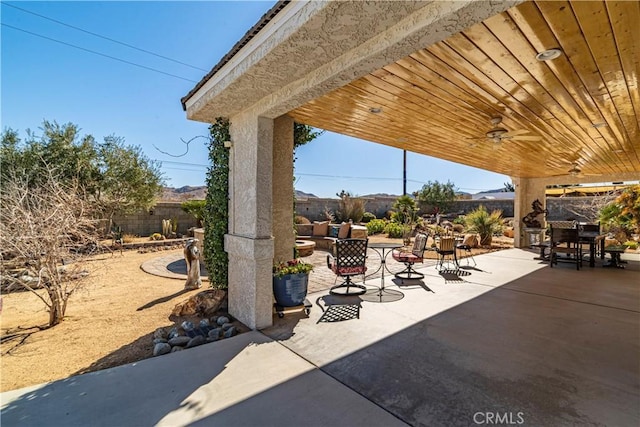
(216, 218)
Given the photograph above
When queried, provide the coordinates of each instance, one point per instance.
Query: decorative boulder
(471, 240)
(202, 304)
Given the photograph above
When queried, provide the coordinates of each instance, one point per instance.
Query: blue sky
(44, 79)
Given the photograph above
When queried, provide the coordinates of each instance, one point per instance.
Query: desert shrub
(395, 230)
(376, 226)
(156, 236)
(631, 244)
(128, 238)
(406, 211)
(329, 215)
(299, 219)
(351, 208)
(485, 224)
(368, 216)
(622, 216)
(197, 208)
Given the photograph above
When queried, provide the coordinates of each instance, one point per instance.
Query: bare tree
(591, 206)
(47, 231)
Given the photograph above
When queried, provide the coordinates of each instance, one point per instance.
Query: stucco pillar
(527, 190)
(249, 242)
(283, 188)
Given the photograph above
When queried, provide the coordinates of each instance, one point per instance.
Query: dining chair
(349, 260)
(565, 241)
(411, 258)
(446, 247)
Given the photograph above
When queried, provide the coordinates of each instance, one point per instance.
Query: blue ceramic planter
(290, 290)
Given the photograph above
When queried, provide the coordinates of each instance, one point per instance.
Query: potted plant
(290, 280)
(484, 223)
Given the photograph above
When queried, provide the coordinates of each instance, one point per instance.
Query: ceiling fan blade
(519, 132)
(527, 138)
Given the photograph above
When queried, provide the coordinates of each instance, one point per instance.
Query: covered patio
(545, 92)
(513, 339)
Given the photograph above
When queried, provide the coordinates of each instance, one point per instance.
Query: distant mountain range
(181, 194)
(188, 192)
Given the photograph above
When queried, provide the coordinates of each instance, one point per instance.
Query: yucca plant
(484, 223)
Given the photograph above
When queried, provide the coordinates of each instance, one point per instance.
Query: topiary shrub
(368, 216)
(376, 226)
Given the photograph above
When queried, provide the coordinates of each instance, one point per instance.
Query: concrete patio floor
(512, 339)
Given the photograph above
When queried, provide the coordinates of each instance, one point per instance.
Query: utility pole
(404, 172)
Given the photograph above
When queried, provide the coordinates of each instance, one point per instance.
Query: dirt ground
(108, 323)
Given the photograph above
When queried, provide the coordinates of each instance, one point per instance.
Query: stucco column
(249, 242)
(527, 190)
(283, 188)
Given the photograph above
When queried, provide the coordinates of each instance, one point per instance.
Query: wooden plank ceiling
(581, 108)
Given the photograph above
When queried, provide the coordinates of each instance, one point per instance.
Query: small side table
(615, 252)
(382, 294)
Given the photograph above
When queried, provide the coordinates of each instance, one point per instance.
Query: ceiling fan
(497, 134)
(575, 171)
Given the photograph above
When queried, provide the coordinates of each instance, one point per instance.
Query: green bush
(368, 216)
(395, 230)
(197, 208)
(631, 245)
(459, 220)
(376, 226)
(156, 236)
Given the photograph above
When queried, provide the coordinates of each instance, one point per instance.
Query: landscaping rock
(159, 340)
(176, 348)
(160, 333)
(161, 348)
(227, 326)
(230, 332)
(215, 333)
(222, 320)
(202, 304)
(173, 333)
(194, 342)
(181, 340)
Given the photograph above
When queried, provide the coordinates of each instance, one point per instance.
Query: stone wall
(145, 223)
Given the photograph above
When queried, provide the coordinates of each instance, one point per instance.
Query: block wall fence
(145, 223)
(560, 208)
